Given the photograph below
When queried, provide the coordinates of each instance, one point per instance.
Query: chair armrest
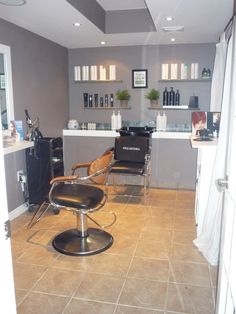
(80, 165)
(64, 179)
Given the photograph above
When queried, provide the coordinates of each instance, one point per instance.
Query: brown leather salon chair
(82, 197)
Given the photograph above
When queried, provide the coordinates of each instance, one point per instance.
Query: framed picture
(2, 81)
(139, 79)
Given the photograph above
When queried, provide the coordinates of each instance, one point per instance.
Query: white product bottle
(158, 122)
(113, 121)
(164, 121)
(119, 120)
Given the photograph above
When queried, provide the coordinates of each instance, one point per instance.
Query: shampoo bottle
(113, 121)
(119, 120)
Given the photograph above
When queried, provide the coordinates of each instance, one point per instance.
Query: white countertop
(17, 146)
(110, 133)
(203, 144)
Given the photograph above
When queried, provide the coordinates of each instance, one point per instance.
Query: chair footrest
(71, 243)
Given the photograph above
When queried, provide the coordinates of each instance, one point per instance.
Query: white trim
(17, 211)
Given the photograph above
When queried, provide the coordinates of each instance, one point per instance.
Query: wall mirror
(6, 91)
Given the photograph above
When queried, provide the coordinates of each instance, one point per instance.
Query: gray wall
(40, 84)
(138, 57)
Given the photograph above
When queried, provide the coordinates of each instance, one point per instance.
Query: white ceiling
(203, 21)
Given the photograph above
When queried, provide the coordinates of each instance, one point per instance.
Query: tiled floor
(152, 266)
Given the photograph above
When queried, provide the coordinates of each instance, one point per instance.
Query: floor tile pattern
(152, 267)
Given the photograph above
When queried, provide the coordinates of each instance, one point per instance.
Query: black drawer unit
(44, 161)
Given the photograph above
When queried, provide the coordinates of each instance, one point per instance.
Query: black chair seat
(77, 196)
(126, 167)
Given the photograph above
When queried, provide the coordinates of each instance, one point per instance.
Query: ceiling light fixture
(169, 18)
(77, 24)
(172, 39)
(13, 2)
(102, 43)
(173, 29)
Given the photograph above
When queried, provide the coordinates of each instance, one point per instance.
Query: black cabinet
(44, 161)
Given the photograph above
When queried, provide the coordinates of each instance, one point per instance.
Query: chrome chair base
(71, 242)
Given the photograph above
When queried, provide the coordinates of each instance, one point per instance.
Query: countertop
(110, 133)
(17, 146)
(202, 144)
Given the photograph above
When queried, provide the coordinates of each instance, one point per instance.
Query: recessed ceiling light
(173, 29)
(77, 24)
(169, 18)
(13, 2)
(172, 39)
(102, 43)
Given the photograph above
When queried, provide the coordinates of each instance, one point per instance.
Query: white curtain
(218, 75)
(208, 242)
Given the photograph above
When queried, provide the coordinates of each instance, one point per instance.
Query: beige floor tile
(159, 222)
(162, 203)
(163, 194)
(151, 248)
(137, 210)
(144, 293)
(186, 253)
(190, 299)
(39, 255)
(25, 275)
(82, 263)
(184, 236)
(146, 268)
(89, 307)
(38, 303)
(184, 204)
(157, 234)
(60, 282)
(100, 288)
(121, 309)
(185, 195)
(184, 223)
(162, 212)
(20, 295)
(123, 244)
(190, 273)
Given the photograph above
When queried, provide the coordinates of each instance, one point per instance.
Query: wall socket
(19, 175)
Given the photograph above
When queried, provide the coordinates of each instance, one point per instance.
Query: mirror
(6, 92)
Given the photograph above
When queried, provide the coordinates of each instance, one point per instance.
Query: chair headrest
(131, 148)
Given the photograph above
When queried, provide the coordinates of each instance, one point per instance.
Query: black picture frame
(140, 78)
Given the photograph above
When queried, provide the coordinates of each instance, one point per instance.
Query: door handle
(222, 184)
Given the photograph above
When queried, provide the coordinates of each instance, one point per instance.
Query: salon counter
(173, 161)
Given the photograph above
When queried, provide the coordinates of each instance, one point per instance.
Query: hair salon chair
(77, 194)
(132, 155)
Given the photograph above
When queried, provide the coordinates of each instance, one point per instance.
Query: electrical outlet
(19, 174)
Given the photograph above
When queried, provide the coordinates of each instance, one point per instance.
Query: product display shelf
(174, 108)
(99, 81)
(102, 108)
(184, 81)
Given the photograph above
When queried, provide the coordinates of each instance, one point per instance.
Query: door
(7, 295)
(226, 295)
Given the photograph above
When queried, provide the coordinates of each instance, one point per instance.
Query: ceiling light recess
(173, 29)
(102, 42)
(169, 18)
(13, 2)
(77, 24)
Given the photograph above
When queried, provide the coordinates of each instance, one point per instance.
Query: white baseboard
(17, 211)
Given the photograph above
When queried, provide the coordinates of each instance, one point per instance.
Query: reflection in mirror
(6, 93)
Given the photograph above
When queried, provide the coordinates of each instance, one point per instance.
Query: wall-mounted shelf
(185, 81)
(99, 81)
(173, 108)
(102, 108)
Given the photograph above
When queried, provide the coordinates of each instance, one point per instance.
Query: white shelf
(102, 108)
(186, 81)
(17, 146)
(99, 81)
(184, 107)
